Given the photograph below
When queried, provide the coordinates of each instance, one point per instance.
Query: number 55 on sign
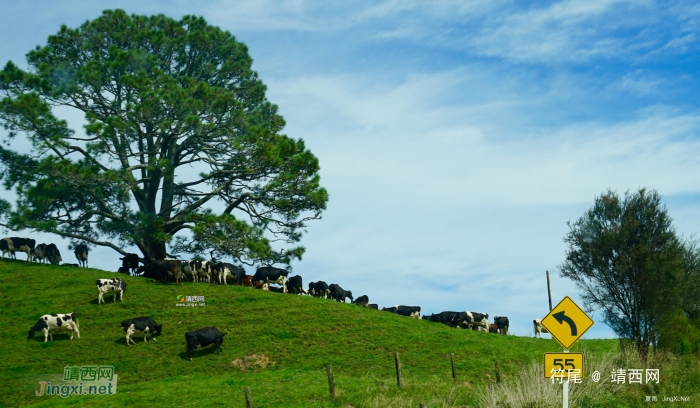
(553, 362)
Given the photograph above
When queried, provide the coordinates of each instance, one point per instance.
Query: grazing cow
(222, 270)
(362, 301)
(39, 253)
(15, 244)
(263, 286)
(247, 281)
(114, 285)
(163, 270)
(339, 294)
(56, 322)
(447, 318)
(319, 289)
(294, 285)
(53, 254)
(123, 270)
(204, 337)
(410, 311)
(81, 252)
(144, 325)
(502, 323)
(130, 262)
(493, 328)
(473, 320)
(374, 306)
(270, 274)
(539, 329)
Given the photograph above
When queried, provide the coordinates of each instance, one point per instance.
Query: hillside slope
(288, 339)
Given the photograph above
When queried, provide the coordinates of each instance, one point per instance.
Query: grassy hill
(279, 345)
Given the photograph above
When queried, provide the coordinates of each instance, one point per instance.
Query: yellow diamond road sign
(567, 322)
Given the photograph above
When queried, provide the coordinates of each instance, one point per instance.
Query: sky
(455, 138)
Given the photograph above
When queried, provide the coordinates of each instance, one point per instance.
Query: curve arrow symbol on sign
(561, 318)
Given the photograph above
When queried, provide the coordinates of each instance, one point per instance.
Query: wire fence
(349, 382)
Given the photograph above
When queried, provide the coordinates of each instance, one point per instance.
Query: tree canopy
(179, 136)
(625, 256)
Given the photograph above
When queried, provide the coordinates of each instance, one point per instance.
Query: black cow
(16, 244)
(130, 262)
(270, 274)
(53, 254)
(362, 301)
(410, 311)
(39, 253)
(447, 318)
(276, 289)
(144, 325)
(374, 306)
(163, 270)
(81, 252)
(204, 337)
(339, 294)
(502, 323)
(319, 289)
(294, 285)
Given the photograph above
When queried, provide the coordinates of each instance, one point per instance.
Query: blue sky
(456, 139)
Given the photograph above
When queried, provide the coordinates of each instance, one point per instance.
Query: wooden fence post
(454, 371)
(248, 402)
(331, 381)
(398, 370)
(498, 372)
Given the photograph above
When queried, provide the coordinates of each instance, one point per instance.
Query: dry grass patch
(254, 361)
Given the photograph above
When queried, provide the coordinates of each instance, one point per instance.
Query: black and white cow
(5, 248)
(15, 244)
(201, 269)
(56, 322)
(410, 311)
(295, 285)
(319, 289)
(39, 253)
(473, 320)
(339, 294)
(502, 323)
(270, 274)
(539, 329)
(362, 301)
(114, 285)
(130, 262)
(204, 337)
(222, 270)
(144, 325)
(53, 254)
(81, 252)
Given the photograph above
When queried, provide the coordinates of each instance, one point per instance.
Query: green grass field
(278, 345)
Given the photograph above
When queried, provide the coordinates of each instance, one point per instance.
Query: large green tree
(177, 125)
(625, 256)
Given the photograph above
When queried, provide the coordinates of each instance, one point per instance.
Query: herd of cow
(41, 253)
(167, 270)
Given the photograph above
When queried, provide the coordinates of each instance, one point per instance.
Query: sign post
(567, 322)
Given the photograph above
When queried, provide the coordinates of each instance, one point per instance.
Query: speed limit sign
(562, 364)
